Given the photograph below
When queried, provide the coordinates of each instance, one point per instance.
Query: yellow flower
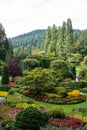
(22, 105)
(74, 93)
(3, 94)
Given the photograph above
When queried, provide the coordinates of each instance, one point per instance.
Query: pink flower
(12, 84)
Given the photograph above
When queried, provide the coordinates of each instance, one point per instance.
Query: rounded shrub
(30, 119)
(11, 91)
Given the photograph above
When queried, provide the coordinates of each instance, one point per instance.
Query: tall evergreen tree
(59, 42)
(53, 41)
(47, 39)
(68, 38)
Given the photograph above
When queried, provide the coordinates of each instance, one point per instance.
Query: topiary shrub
(30, 119)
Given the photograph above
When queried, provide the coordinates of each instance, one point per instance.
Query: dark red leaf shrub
(70, 121)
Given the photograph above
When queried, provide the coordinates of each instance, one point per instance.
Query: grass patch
(68, 109)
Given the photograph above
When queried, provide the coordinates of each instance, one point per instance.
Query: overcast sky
(22, 16)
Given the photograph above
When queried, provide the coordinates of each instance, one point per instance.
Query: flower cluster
(3, 94)
(74, 93)
(26, 105)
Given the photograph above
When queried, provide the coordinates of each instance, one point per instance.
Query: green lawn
(67, 108)
(17, 98)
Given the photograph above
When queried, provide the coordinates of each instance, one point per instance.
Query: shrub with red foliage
(14, 68)
(70, 121)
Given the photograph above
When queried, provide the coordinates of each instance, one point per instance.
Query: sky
(22, 16)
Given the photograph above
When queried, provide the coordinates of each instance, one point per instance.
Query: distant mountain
(33, 38)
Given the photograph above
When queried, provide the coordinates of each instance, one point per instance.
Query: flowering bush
(13, 113)
(8, 112)
(3, 94)
(74, 93)
(12, 84)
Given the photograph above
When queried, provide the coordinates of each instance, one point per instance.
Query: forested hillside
(24, 44)
(63, 42)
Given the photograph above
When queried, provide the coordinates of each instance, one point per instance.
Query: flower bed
(71, 97)
(61, 100)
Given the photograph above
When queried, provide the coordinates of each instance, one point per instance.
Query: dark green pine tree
(5, 76)
(47, 39)
(52, 47)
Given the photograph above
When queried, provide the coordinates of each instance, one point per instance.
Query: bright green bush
(30, 119)
(60, 70)
(30, 63)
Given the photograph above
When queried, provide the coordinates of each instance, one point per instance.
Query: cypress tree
(5, 76)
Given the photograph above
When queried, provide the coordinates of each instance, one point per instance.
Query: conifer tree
(47, 39)
(5, 76)
(52, 47)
